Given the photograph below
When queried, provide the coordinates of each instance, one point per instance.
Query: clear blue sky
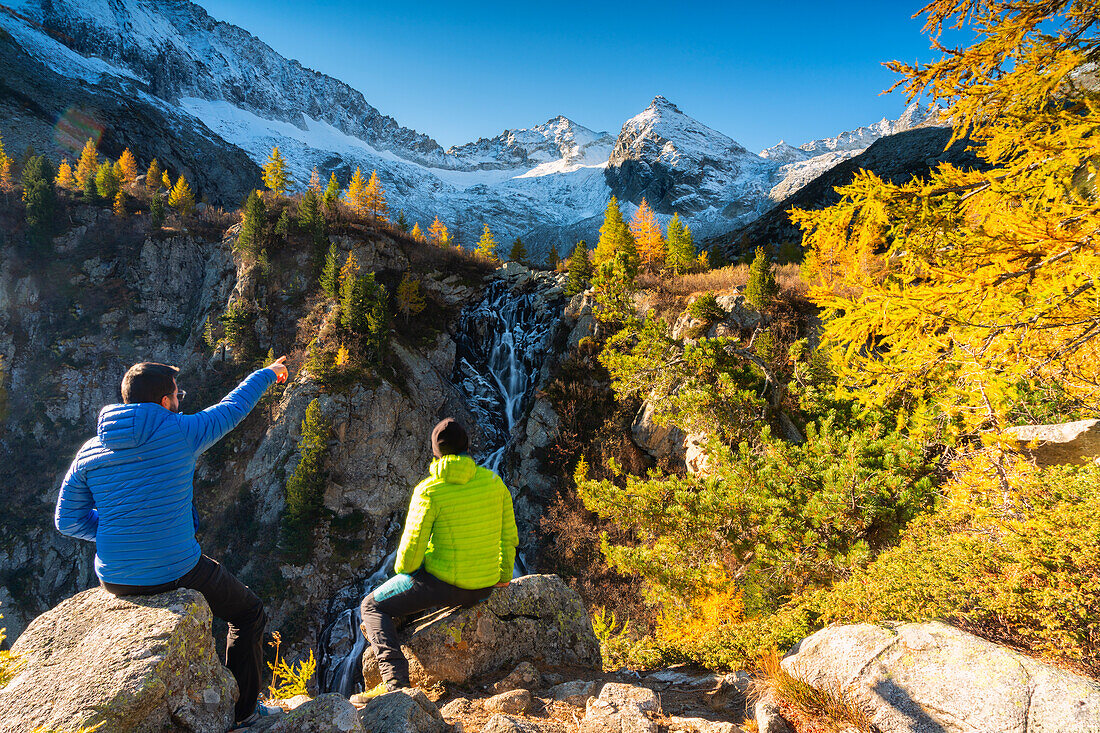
(757, 72)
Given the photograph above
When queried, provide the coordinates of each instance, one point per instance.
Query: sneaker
(261, 711)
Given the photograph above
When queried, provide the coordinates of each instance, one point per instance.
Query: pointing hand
(280, 369)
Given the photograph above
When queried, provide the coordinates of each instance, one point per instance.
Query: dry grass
(724, 281)
(809, 709)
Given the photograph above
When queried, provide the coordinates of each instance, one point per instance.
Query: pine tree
(87, 165)
(647, 235)
(282, 226)
(128, 166)
(439, 234)
(553, 257)
(5, 168)
(39, 195)
(156, 210)
(253, 222)
(65, 175)
(153, 176)
(348, 273)
(374, 198)
(181, 198)
(310, 218)
(761, 288)
(580, 270)
(106, 182)
(332, 193)
(120, 204)
(681, 248)
(487, 245)
(409, 299)
(330, 273)
(305, 488)
(378, 319)
(402, 222)
(315, 181)
(615, 237)
(416, 234)
(356, 194)
(354, 303)
(275, 175)
(518, 253)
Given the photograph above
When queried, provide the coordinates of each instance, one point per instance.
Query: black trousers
(403, 595)
(232, 601)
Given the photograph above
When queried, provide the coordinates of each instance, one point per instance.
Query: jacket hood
(453, 469)
(128, 426)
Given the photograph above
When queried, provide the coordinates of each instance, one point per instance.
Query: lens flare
(74, 128)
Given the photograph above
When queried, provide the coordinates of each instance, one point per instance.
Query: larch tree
(518, 253)
(127, 166)
(153, 176)
(64, 175)
(952, 291)
(409, 299)
(106, 181)
(417, 234)
(165, 180)
(681, 249)
(356, 194)
(402, 222)
(552, 258)
(439, 234)
(487, 245)
(275, 174)
(332, 193)
(647, 236)
(87, 165)
(181, 198)
(119, 207)
(374, 198)
(5, 167)
(315, 181)
(615, 237)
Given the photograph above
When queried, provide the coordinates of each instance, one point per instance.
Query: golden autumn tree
(180, 197)
(65, 175)
(119, 206)
(153, 176)
(615, 237)
(438, 233)
(5, 167)
(315, 180)
(275, 174)
(128, 167)
(647, 237)
(487, 245)
(88, 163)
(410, 301)
(951, 294)
(417, 234)
(165, 180)
(356, 194)
(374, 198)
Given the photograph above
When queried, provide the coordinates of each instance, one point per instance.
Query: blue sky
(758, 72)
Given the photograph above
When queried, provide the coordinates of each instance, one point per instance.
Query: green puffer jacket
(460, 526)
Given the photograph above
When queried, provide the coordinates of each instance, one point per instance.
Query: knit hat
(449, 438)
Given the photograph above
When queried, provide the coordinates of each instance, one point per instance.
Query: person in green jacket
(458, 545)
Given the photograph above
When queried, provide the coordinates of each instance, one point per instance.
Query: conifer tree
(181, 198)
(330, 273)
(39, 195)
(409, 299)
(378, 318)
(647, 235)
(5, 167)
(355, 302)
(305, 488)
(681, 248)
(439, 234)
(761, 288)
(417, 234)
(282, 225)
(253, 222)
(580, 270)
(315, 181)
(128, 166)
(553, 257)
(310, 218)
(165, 180)
(87, 165)
(65, 175)
(348, 273)
(518, 253)
(487, 245)
(374, 198)
(120, 204)
(615, 237)
(716, 258)
(356, 194)
(332, 193)
(106, 182)
(275, 175)
(156, 210)
(402, 222)
(153, 176)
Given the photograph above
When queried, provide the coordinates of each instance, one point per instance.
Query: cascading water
(501, 343)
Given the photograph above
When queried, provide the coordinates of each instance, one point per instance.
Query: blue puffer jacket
(130, 488)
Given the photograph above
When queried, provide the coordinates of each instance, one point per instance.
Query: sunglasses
(181, 394)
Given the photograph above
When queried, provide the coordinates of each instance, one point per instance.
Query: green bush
(706, 308)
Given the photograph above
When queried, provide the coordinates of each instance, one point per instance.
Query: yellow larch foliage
(438, 233)
(356, 194)
(341, 355)
(648, 238)
(120, 204)
(275, 175)
(165, 180)
(65, 175)
(180, 197)
(153, 176)
(88, 163)
(128, 166)
(350, 269)
(417, 234)
(409, 299)
(951, 292)
(374, 198)
(487, 245)
(315, 181)
(5, 167)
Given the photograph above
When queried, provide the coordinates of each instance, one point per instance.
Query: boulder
(580, 317)
(536, 618)
(620, 695)
(700, 725)
(659, 441)
(513, 702)
(525, 676)
(142, 663)
(1075, 443)
(508, 724)
(931, 677)
(768, 717)
(604, 716)
(330, 713)
(575, 693)
(404, 711)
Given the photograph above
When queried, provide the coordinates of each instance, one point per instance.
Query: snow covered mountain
(202, 80)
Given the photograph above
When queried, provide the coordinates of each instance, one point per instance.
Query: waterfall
(501, 344)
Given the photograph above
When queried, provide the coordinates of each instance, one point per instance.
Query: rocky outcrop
(1071, 443)
(536, 618)
(622, 708)
(133, 665)
(933, 678)
(323, 714)
(404, 711)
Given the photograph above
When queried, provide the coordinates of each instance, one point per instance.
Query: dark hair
(449, 438)
(148, 382)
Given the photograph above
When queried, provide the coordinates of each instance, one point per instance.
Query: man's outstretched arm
(76, 515)
(204, 429)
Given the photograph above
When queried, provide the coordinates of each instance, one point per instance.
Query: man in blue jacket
(130, 490)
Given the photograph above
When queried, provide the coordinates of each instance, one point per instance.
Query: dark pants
(232, 601)
(403, 595)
